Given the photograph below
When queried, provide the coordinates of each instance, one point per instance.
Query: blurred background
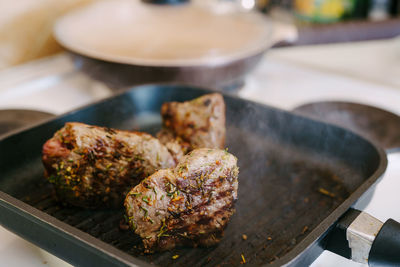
(26, 28)
(26, 25)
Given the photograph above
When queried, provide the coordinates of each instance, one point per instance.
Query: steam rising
(282, 139)
(375, 124)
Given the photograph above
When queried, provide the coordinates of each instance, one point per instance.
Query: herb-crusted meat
(94, 167)
(194, 124)
(188, 205)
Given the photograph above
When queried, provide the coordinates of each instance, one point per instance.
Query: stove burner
(13, 119)
(376, 124)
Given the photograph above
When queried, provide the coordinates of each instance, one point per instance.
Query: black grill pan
(297, 177)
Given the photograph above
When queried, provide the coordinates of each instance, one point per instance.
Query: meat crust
(188, 205)
(94, 167)
(193, 124)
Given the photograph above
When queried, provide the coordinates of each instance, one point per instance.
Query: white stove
(286, 78)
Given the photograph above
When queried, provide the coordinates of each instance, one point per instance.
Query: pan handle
(385, 251)
(360, 237)
(283, 32)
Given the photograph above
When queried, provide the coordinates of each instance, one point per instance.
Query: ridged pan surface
(297, 176)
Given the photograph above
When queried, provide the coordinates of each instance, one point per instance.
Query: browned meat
(188, 205)
(193, 124)
(175, 145)
(94, 167)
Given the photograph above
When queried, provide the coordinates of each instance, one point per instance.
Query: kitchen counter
(373, 61)
(288, 77)
(366, 72)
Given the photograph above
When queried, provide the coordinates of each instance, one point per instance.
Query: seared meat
(175, 145)
(194, 124)
(95, 167)
(188, 205)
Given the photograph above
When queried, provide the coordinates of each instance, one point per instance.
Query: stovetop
(54, 85)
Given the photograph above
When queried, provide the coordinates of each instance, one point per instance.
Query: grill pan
(297, 177)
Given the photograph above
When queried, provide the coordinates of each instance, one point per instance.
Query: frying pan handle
(363, 238)
(283, 32)
(385, 250)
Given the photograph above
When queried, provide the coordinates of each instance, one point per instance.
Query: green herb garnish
(146, 212)
(146, 199)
